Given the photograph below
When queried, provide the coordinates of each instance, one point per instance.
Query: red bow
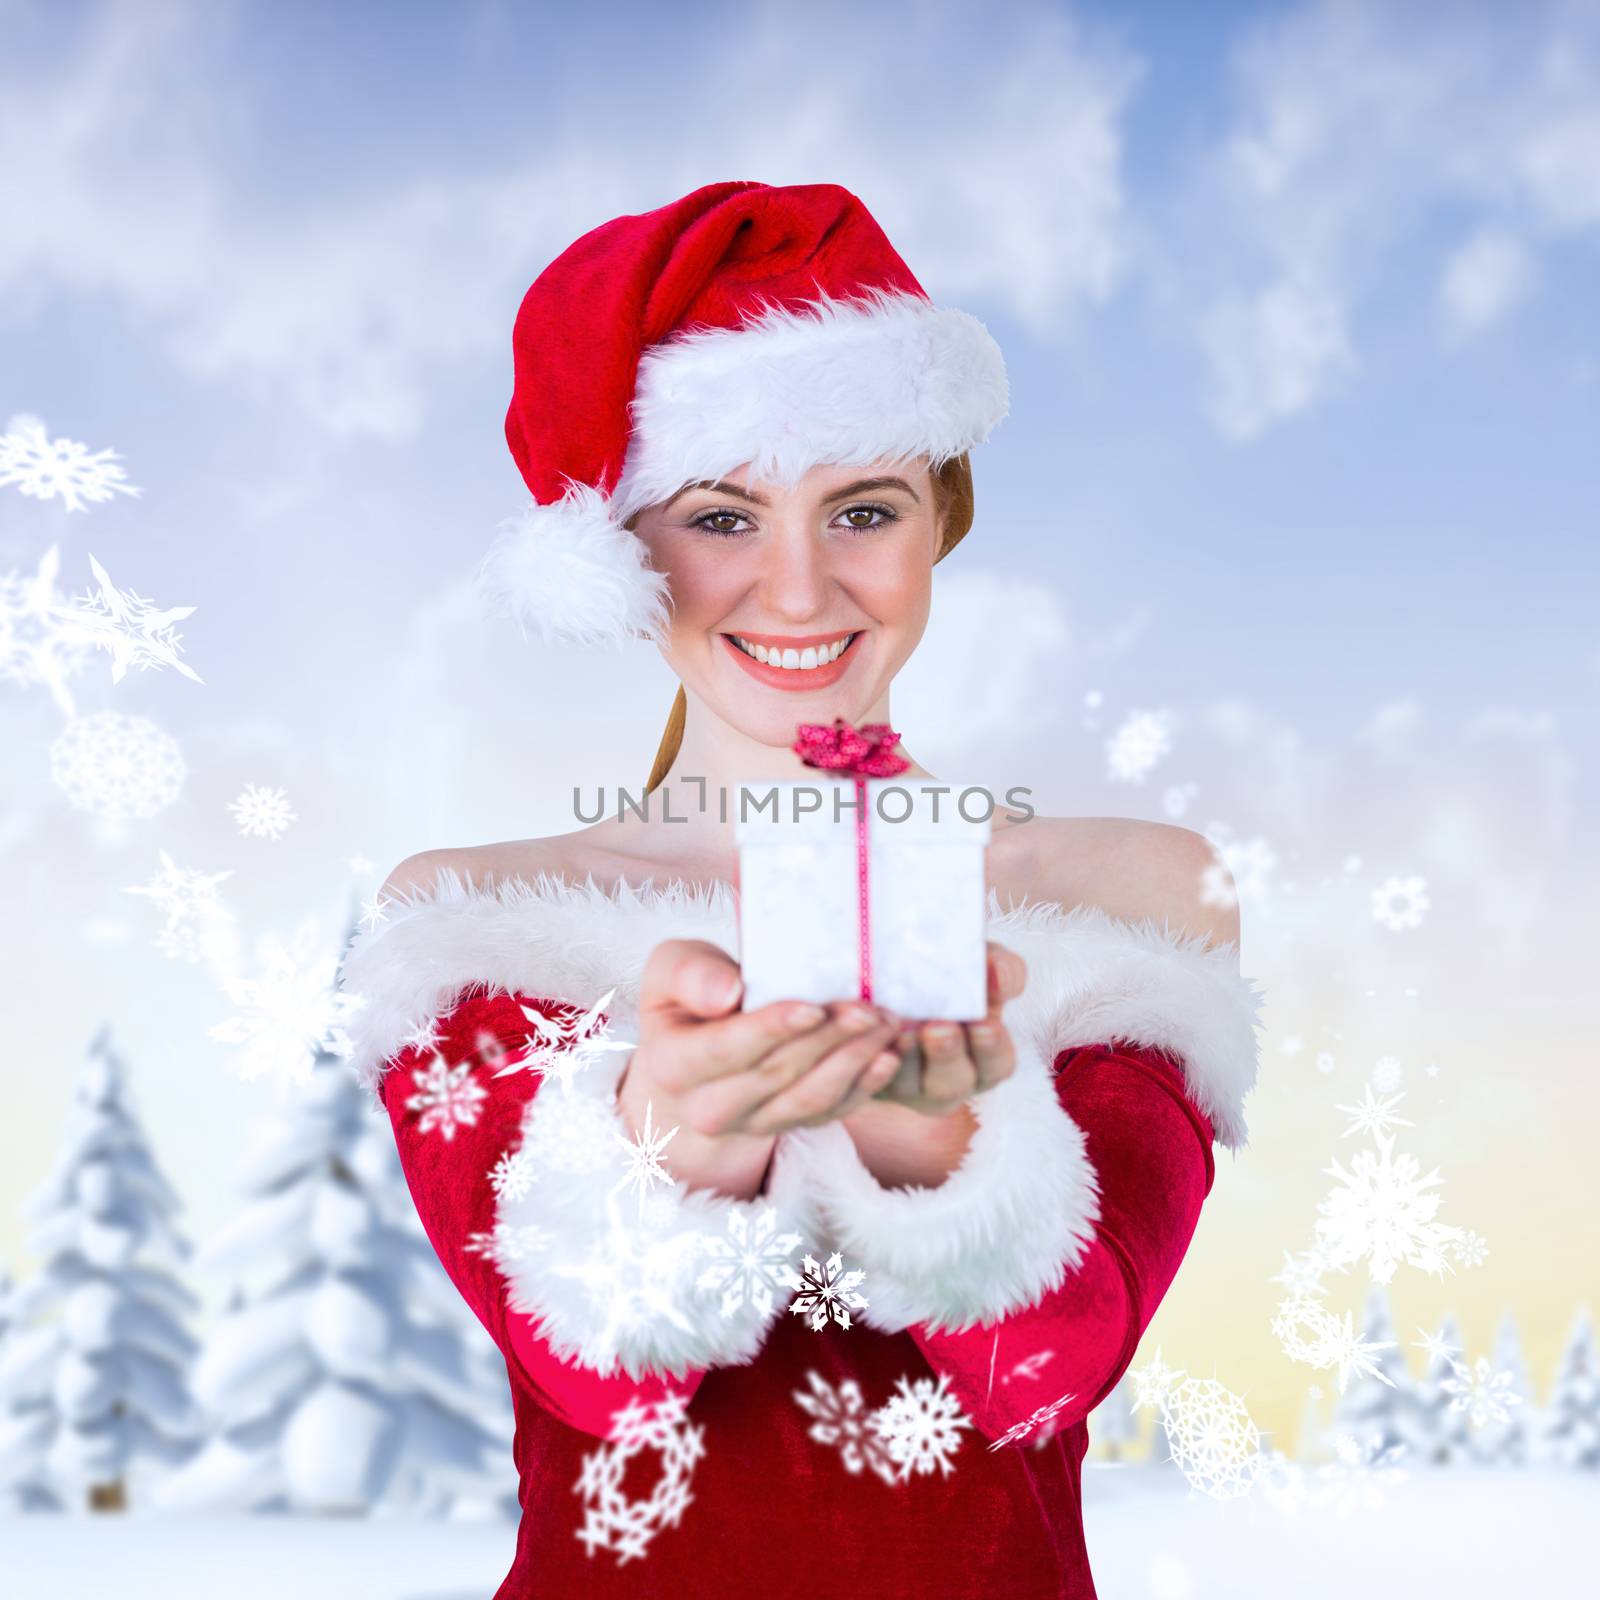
(867, 751)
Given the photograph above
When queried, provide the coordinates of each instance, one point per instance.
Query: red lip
(795, 681)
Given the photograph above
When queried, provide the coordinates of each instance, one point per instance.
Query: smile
(811, 662)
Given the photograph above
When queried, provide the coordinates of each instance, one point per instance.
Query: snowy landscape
(342, 1419)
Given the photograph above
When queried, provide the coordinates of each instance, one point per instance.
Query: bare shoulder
(1130, 869)
(483, 864)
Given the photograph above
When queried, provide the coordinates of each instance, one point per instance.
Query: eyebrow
(860, 486)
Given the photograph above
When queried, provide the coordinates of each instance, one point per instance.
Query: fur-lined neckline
(1092, 976)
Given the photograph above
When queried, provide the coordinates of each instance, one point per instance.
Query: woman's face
(846, 555)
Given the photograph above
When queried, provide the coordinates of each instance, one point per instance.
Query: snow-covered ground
(1463, 1534)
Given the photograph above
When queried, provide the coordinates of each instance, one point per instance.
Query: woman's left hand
(943, 1064)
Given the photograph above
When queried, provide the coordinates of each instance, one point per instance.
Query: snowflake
(262, 813)
(1374, 1115)
(1241, 872)
(843, 1420)
(611, 1520)
(1176, 797)
(130, 628)
(828, 1292)
(513, 1175)
(1382, 1210)
(36, 645)
(920, 1426)
(1302, 1274)
(1309, 1332)
(1030, 1366)
(644, 1167)
(374, 912)
(116, 766)
(1470, 1248)
(1325, 1061)
(43, 468)
(448, 1097)
(561, 1051)
(509, 1242)
(1484, 1392)
(1386, 1074)
(1213, 1440)
(292, 1011)
(1137, 745)
(1153, 1382)
(1042, 1420)
(750, 1261)
(1435, 1347)
(198, 926)
(1399, 902)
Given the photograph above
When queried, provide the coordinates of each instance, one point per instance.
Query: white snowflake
(1483, 1391)
(448, 1097)
(1137, 745)
(1038, 1428)
(749, 1261)
(1435, 1347)
(116, 766)
(509, 1242)
(1309, 1332)
(1400, 902)
(828, 1292)
(560, 1051)
(1386, 1074)
(513, 1175)
(44, 468)
(1470, 1248)
(842, 1420)
(293, 1010)
(1213, 1440)
(130, 628)
(1030, 1366)
(1374, 1115)
(1241, 871)
(644, 1168)
(199, 927)
(262, 813)
(1383, 1211)
(1153, 1382)
(1302, 1274)
(921, 1425)
(611, 1520)
(36, 644)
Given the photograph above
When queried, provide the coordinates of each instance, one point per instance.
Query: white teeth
(795, 660)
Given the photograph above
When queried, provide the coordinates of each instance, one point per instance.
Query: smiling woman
(796, 1276)
(946, 497)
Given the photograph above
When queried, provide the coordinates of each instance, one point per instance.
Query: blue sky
(1298, 305)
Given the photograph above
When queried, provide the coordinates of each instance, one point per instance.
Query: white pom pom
(572, 575)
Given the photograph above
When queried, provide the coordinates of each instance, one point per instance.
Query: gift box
(886, 903)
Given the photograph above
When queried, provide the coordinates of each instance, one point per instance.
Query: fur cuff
(999, 1233)
(673, 1279)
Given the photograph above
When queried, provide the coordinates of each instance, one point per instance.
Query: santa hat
(742, 324)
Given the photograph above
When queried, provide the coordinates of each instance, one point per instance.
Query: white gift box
(799, 909)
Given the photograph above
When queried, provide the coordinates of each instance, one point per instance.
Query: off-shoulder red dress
(694, 1418)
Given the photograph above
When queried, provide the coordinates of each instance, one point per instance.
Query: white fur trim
(612, 1283)
(999, 1233)
(573, 574)
(886, 374)
(1092, 977)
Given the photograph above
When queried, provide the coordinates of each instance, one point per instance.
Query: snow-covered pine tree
(26, 1415)
(1569, 1434)
(331, 1384)
(1376, 1414)
(104, 1319)
(1112, 1424)
(1438, 1435)
(1505, 1443)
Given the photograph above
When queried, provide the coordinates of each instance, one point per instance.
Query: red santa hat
(743, 324)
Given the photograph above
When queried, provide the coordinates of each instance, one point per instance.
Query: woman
(842, 1326)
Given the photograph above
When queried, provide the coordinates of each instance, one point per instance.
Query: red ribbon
(864, 752)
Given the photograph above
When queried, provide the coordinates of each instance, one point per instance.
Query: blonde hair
(952, 507)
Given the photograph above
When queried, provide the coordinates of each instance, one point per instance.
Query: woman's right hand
(730, 1075)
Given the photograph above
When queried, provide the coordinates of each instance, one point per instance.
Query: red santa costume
(708, 1402)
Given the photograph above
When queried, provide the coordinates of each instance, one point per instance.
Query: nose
(795, 578)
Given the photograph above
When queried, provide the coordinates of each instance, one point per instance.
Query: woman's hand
(943, 1064)
(730, 1075)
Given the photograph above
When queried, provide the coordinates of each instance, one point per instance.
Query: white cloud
(1489, 274)
(993, 164)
